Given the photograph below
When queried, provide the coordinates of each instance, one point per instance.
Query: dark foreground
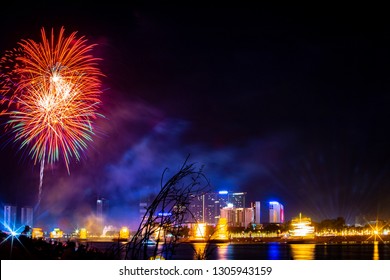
(25, 248)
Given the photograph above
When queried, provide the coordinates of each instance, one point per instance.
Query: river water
(275, 251)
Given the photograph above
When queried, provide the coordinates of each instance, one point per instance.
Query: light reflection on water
(223, 251)
(302, 251)
(376, 251)
(200, 251)
(204, 251)
(281, 251)
(274, 251)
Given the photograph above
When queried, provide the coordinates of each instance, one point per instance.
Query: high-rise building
(223, 198)
(229, 214)
(212, 207)
(237, 217)
(102, 207)
(276, 212)
(207, 207)
(237, 199)
(9, 217)
(27, 216)
(256, 212)
(143, 206)
(196, 209)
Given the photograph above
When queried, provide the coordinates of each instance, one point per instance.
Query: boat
(302, 231)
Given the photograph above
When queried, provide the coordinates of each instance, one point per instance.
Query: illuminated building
(196, 209)
(256, 206)
(124, 233)
(27, 216)
(237, 217)
(229, 214)
(83, 233)
(37, 233)
(143, 204)
(142, 209)
(207, 207)
(56, 233)
(9, 217)
(211, 206)
(221, 233)
(198, 232)
(276, 212)
(102, 207)
(237, 199)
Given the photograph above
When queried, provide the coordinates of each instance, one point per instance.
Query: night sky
(286, 104)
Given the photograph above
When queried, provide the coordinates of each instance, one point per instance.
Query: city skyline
(205, 208)
(284, 104)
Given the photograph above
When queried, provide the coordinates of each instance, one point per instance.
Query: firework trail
(51, 94)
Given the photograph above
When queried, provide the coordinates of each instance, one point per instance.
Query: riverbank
(359, 239)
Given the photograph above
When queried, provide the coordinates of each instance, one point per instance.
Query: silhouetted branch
(167, 213)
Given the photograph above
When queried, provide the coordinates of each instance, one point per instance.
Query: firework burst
(51, 94)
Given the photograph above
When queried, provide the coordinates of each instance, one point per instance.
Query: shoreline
(315, 240)
(253, 240)
(359, 240)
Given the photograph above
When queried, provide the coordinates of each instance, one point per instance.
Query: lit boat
(302, 232)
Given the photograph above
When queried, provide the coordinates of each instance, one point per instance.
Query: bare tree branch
(166, 215)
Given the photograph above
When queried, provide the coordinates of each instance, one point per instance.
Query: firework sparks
(51, 94)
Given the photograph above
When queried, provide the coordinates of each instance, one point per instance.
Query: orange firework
(51, 90)
(53, 97)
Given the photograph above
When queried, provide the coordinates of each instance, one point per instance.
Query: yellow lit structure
(199, 232)
(83, 233)
(301, 229)
(37, 233)
(159, 233)
(200, 250)
(221, 231)
(124, 233)
(56, 233)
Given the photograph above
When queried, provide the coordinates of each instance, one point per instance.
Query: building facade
(9, 221)
(27, 216)
(206, 208)
(276, 212)
(256, 212)
(102, 207)
(237, 199)
(102, 210)
(237, 217)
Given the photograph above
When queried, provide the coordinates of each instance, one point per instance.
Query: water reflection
(202, 250)
(269, 251)
(274, 251)
(223, 251)
(376, 251)
(302, 251)
(199, 250)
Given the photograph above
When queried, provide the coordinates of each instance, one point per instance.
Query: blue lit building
(276, 212)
